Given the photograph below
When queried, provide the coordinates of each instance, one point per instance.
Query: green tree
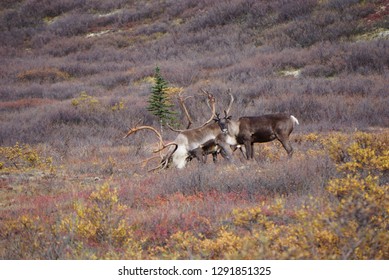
(159, 102)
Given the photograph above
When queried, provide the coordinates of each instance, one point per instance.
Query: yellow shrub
(367, 153)
(85, 101)
(172, 91)
(118, 106)
(362, 214)
(352, 227)
(102, 221)
(335, 145)
(186, 245)
(310, 137)
(359, 152)
(224, 245)
(26, 237)
(24, 158)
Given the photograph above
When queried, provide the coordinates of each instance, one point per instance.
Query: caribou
(212, 147)
(191, 141)
(200, 153)
(194, 143)
(249, 130)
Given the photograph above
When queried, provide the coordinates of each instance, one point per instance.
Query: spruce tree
(159, 103)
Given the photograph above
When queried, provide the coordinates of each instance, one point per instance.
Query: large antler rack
(162, 145)
(211, 101)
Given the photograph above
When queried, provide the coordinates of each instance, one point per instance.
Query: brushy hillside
(76, 74)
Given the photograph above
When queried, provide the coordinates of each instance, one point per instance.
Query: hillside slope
(324, 61)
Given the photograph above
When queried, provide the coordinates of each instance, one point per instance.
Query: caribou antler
(164, 159)
(161, 143)
(231, 101)
(211, 101)
(181, 102)
(211, 104)
(164, 146)
(137, 128)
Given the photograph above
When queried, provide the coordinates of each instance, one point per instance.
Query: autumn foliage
(76, 75)
(346, 218)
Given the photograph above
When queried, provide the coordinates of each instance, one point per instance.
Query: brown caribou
(212, 147)
(202, 151)
(249, 130)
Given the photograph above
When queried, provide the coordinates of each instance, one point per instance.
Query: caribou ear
(226, 116)
(217, 117)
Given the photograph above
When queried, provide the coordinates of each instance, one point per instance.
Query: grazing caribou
(197, 142)
(202, 151)
(249, 130)
(192, 139)
(212, 147)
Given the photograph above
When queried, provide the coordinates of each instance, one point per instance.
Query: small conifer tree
(159, 103)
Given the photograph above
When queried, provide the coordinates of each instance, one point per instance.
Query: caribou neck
(233, 128)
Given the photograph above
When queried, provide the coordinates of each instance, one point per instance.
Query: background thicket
(76, 74)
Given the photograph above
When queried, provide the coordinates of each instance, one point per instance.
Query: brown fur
(265, 128)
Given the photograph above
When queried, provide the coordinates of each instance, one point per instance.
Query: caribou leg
(225, 151)
(288, 147)
(249, 146)
(284, 139)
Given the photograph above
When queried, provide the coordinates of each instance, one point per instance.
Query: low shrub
(72, 24)
(51, 75)
(101, 221)
(22, 158)
(330, 202)
(349, 222)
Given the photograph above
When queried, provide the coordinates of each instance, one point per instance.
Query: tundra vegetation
(75, 75)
